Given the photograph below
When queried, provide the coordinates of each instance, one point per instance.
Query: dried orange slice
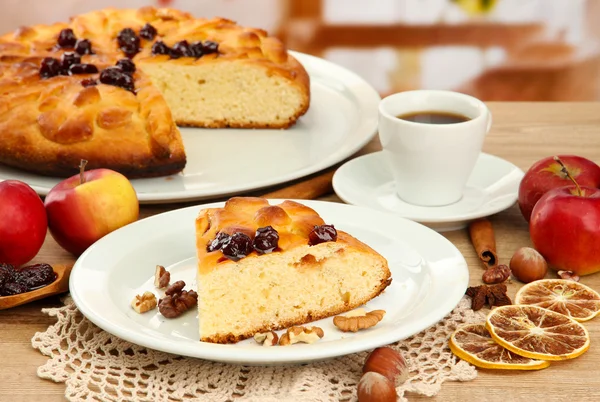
(563, 296)
(473, 343)
(537, 333)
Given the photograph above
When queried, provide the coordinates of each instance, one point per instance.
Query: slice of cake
(265, 267)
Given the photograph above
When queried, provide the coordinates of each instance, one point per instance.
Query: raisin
(148, 32)
(126, 65)
(89, 82)
(322, 234)
(7, 274)
(13, 288)
(50, 67)
(181, 49)
(266, 240)
(83, 46)
(117, 77)
(66, 38)
(159, 47)
(211, 47)
(238, 246)
(35, 276)
(129, 42)
(68, 59)
(197, 49)
(218, 242)
(83, 69)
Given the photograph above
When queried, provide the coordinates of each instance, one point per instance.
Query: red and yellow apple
(86, 207)
(23, 223)
(565, 229)
(548, 174)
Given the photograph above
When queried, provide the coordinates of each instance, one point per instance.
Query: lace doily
(98, 366)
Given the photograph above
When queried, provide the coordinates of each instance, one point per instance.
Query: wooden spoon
(60, 285)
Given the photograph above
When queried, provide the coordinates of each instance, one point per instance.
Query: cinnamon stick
(306, 190)
(484, 241)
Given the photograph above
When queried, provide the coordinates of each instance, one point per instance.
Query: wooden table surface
(522, 133)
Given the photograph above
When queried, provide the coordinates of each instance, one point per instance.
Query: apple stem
(82, 164)
(564, 169)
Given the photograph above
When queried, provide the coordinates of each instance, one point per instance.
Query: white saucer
(492, 187)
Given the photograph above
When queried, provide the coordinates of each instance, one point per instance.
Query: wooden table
(522, 133)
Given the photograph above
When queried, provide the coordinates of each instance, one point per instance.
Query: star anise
(491, 295)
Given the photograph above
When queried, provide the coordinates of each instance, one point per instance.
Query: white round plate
(492, 187)
(341, 119)
(429, 277)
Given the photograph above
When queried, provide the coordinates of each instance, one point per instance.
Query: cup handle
(489, 123)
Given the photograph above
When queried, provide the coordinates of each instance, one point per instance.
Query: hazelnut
(373, 387)
(387, 362)
(527, 265)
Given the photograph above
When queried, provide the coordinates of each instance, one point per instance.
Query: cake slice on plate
(265, 267)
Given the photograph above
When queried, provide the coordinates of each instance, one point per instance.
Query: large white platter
(341, 119)
(429, 278)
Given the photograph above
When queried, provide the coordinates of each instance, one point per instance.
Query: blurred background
(528, 50)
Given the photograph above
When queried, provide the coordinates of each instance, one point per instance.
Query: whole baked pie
(112, 86)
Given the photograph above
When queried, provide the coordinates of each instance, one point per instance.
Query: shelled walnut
(359, 319)
(267, 338)
(143, 303)
(162, 277)
(177, 301)
(301, 334)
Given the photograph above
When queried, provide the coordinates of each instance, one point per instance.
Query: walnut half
(177, 301)
(355, 321)
(267, 338)
(144, 303)
(301, 334)
(162, 277)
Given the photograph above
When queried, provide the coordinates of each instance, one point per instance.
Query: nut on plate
(267, 338)
(143, 303)
(359, 319)
(569, 275)
(162, 277)
(177, 301)
(301, 334)
(374, 387)
(496, 274)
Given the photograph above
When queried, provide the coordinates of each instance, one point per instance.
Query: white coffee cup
(431, 163)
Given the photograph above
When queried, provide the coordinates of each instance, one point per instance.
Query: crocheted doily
(98, 366)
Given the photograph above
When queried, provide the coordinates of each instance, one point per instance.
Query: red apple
(565, 229)
(86, 207)
(548, 174)
(23, 223)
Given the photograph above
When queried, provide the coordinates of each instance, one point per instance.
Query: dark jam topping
(238, 247)
(129, 42)
(66, 38)
(322, 234)
(148, 32)
(126, 65)
(82, 69)
(68, 59)
(218, 242)
(116, 77)
(15, 281)
(181, 49)
(83, 46)
(185, 49)
(210, 47)
(266, 240)
(159, 47)
(50, 67)
(7, 274)
(89, 82)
